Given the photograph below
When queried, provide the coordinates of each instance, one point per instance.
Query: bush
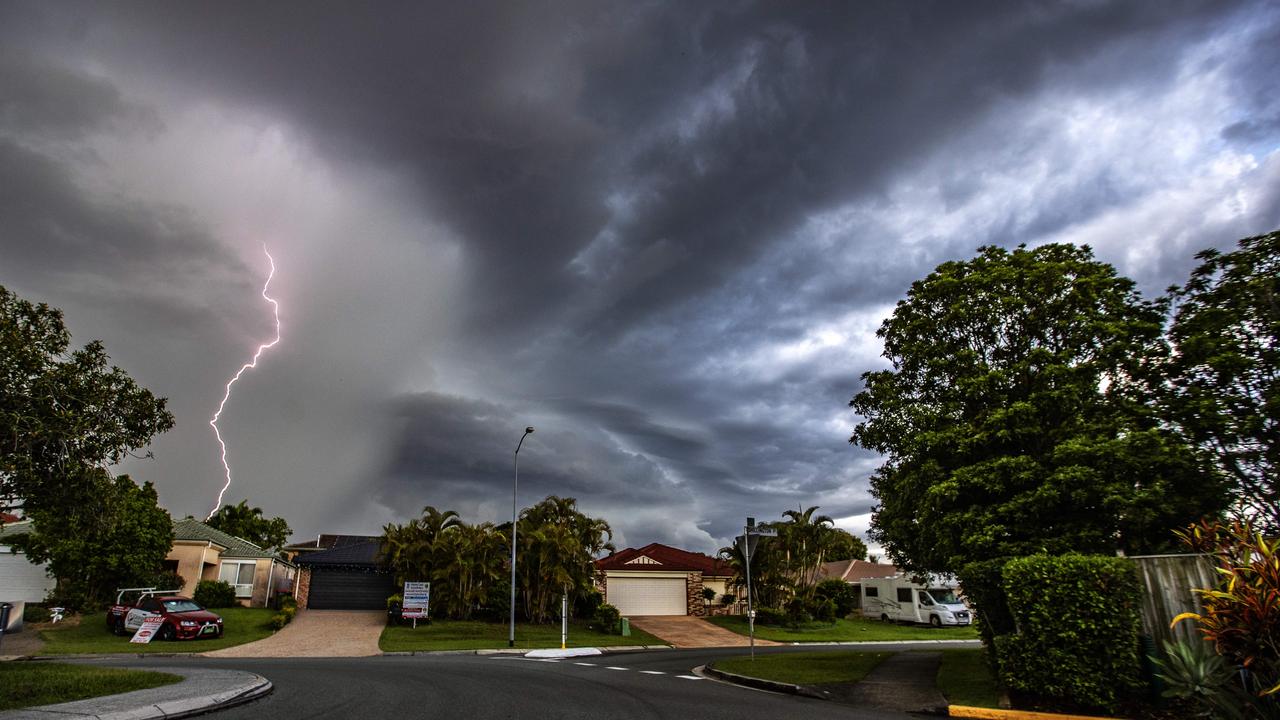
(163, 580)
(840, 593)
(35, 613)
(606, 619)
(770, 616)
(1076, 645)
(586, 604)
(729, 599)
(215, 594)
(708, 594)
(278, 621)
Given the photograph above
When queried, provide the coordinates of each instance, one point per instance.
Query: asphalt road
(653, 684)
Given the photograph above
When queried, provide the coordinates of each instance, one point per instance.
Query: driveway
(318, 633)
(687, 631)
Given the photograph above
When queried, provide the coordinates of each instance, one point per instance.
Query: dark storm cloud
(677, 225)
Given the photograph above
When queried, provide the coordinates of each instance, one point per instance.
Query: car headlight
(219, 621)
(189, 623)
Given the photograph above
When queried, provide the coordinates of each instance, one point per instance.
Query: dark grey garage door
(349, 590)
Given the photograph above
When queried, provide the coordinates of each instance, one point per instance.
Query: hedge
(214, 594)
(1077, 624)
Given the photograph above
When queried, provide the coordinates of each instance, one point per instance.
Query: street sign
(762, 531)
(417, 598)
(147, 632)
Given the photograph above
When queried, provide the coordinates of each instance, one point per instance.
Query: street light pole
(511, 639)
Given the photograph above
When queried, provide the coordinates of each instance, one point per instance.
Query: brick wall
(694, 604)
(302, 586)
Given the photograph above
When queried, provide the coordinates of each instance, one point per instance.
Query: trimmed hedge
(215, 594)
(983, 586)
(1076, 645)
(839, 592)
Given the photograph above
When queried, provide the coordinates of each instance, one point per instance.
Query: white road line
(614, 667)
(585, 664)
(653, 672)
(688, 677)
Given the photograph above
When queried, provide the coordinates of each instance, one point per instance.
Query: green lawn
(24, 684)
(846, 630)
(479, 635)
(965, 679)
(239, 625)
(808, 668)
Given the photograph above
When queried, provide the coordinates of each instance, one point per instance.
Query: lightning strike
(251, 364)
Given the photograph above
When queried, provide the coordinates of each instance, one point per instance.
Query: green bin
(626, 627)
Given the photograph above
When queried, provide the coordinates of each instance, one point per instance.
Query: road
(620, 686)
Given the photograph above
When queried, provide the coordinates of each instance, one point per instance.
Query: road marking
(653, 672)
(585, 664)
(614, 667)
(688, 677)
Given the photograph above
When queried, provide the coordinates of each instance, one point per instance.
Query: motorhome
(898, 599)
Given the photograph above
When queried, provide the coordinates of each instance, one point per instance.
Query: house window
(239, 575)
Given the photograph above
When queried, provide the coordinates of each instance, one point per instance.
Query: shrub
(729, 599)
(1076, 645)
(708, 594)
(770, 616)
(587, 603)
(840, 593)
(163, 580)
(215, 594)
(606, 619)
(983, 586)
(288, 601)
(278, 621)
(35, 613)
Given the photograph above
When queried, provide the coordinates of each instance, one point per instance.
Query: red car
(184, 619)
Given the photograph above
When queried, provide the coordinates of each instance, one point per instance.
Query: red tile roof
(665, 558)
(855, 570)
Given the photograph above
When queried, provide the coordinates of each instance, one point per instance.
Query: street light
(511, 639)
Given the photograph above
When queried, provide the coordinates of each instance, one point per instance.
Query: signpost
(749, 532)
(417, 598)
(147, 632)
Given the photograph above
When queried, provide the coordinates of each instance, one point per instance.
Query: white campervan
(900, 600)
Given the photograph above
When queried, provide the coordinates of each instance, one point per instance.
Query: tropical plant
(555, 550)
(1194, 673)
(251, 524)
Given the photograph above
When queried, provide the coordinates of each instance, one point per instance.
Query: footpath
(200, 691)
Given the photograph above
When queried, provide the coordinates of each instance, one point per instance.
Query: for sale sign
(147, 632)
(417, 596)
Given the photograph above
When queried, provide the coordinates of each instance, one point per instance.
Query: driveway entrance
(318, 633)
(687, 631)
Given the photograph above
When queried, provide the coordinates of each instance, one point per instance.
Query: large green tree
(62, 412)
(251, 524)
(117, 537)
(1011, 421)
(844, 545)
(1222, 383)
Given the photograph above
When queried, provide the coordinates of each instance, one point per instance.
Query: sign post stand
(748, 532)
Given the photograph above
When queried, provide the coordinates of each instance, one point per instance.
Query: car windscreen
(175, 606)
(944, 596)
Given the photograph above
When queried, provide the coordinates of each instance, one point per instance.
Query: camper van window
(871, 591)
(925, 599)
(904, 594)
(945, 596)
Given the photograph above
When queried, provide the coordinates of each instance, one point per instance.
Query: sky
(663, 234)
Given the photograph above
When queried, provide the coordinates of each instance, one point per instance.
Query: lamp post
(511, 639)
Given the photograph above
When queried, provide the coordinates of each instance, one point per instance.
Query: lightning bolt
(275, 306)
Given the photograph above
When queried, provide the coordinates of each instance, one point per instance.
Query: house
(855, 571)
(21, 581)
(201, 552)
(662, 580)
(347, 575)
(325, 541)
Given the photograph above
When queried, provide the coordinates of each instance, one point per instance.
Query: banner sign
(147, 632)
(417, 596)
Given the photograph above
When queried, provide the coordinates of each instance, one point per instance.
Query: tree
(1012, 421)
(117, 537)
(1222, 383)
(555, 549)
(62, 412)
(250, 524)
(844, 545)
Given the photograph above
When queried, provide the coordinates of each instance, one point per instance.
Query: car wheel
(884, 617)
(166, 632)
(935, 621)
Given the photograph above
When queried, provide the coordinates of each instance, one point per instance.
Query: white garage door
(647, 596)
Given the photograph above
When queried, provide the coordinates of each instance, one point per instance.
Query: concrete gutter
(201, 691)
(760, 683)
(525, 651)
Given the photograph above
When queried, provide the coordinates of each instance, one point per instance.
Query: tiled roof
(325, 542)
(356, 553)
(856, 570)
(658, 557)
(192, 529)
(20, 527)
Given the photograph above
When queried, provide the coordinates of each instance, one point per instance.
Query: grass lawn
(480, 635)
(239, 625)
(808, 668)
(965, 679)
(23, 684)
(846, 630)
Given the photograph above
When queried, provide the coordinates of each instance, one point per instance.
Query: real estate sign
(147, 632)
(417, 596)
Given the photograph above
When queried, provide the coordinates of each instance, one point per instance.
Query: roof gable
(659, 557)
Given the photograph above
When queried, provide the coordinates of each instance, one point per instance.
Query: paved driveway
(318, 633)
(687, 631)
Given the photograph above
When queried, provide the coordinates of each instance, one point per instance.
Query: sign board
(417, 598)
(147, 632)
